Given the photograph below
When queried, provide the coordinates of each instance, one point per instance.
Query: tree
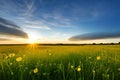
(93, 43)
(118, 42)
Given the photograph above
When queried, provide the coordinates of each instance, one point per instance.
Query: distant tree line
(106, 43)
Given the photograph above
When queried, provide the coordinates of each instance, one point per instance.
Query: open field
(89, 62)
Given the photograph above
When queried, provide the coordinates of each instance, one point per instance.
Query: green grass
(91, 62)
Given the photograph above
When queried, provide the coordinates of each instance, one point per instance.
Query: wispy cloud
(4, 39)
(95, 36)
(35, 14)
(9, 28)
(8, 23)
(35, 24)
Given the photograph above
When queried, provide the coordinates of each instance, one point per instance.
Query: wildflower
(78, 69)
(18, 59)
(72, 66)
(118, 69)
(98, 57)
(35, 70)
(12, 55)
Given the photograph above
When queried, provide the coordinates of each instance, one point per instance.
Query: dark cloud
(94, 36)
(9, 28)
(8, 23)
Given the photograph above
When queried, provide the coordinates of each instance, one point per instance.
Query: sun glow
(33, 38)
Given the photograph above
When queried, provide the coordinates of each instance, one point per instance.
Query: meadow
(87, 62)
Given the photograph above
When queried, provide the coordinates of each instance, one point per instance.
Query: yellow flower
(35, 70)
(12, 55)
(98, 57)
(78, 69)
(18, 59)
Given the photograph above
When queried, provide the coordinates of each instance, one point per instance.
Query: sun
(32, 38)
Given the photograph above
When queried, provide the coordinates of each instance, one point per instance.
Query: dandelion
(12, 55)
(78, 69)
(35, 70)
(18, 59)
(98, 57)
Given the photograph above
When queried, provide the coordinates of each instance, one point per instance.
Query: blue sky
(56, 21)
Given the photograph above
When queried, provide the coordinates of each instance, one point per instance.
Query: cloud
(8, 28)
(36, 12)
(4, 39)
(8, 23)
(95, 36)
(35, 24)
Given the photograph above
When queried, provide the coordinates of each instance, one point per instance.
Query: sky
(59, 21)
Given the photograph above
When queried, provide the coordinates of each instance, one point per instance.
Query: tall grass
(60, 62)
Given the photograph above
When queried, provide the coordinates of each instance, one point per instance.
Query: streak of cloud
(35, 13)
(4, 39)
(95, 36)
(8, 23)
(9, 28)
